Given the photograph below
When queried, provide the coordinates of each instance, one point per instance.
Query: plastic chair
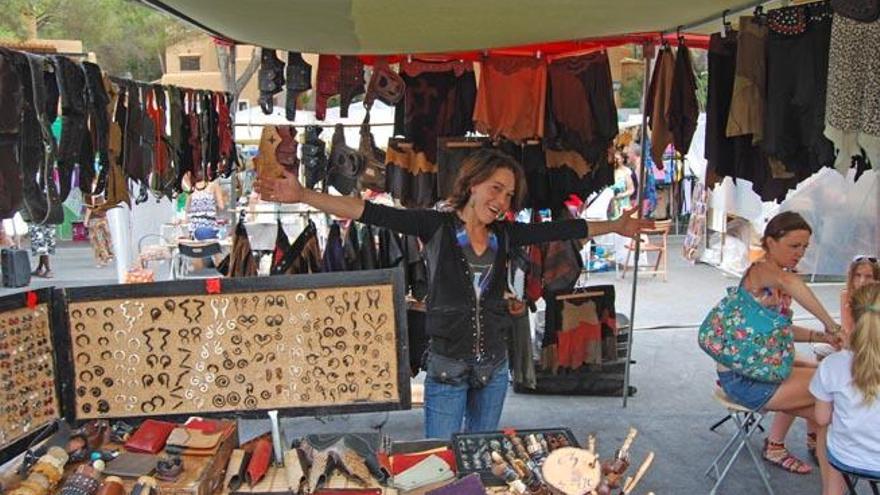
(189, 250)
(658, 246)
(747, 422)
(852, 479)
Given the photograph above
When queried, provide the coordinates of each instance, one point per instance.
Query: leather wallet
(259, 461)
(150, 437)
(469, 485)
(193, 439)
(430, 470)
(131, 465)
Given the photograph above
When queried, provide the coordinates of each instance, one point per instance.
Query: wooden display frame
(302, 341)
(35, 357)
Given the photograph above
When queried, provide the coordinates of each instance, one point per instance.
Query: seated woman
(773, 284)
(846, 387)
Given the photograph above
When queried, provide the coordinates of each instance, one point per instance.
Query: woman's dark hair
(477, 168)
(782, 224)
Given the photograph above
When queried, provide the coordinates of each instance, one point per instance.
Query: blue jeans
(446, 405)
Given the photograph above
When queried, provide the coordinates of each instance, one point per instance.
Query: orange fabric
(570, 159)
(511, 97)
(414, 162)
(566, 341)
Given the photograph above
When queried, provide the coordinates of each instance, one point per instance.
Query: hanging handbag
(346, 164)
(857, 10)
(748, 338)
(373, 175)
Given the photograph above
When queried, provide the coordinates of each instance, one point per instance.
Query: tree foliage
(128, 37)
(630, 92)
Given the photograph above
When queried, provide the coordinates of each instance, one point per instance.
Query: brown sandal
(775, 453)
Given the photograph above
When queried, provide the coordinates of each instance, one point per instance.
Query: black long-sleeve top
(460, 324)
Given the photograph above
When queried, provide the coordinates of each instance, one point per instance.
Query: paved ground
(672, 410)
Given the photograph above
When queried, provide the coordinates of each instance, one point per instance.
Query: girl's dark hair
(782, 224)
(477, 168)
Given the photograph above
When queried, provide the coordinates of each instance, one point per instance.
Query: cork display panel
(314, 349)
(28, 393)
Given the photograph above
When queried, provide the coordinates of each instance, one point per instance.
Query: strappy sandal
(775, 453)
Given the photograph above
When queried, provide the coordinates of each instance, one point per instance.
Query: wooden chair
(657, 245)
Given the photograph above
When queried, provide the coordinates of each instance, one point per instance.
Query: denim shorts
(745, 391)
(862, 473)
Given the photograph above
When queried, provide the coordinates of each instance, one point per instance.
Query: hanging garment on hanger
(511, 98)
(416, 269)
(99, 112)
(334, 254)
(241, 258)
(368, 257)
(181, 157)
(352, 248)
(683, 106)
(658, 101)
(39, 148)
(390, 250)
(797, 75)
(582, 115)
(225, 134)
(409, 176)
(281, 260)
(163, 175)
(852, 118)
(75, 145)
(299, 80)
(11, 108)
(750, 84)
(306, 251)
(438, 102)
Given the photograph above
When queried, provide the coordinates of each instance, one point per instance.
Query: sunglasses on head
(863, 257)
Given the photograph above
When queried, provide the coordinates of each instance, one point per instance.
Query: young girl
(846, 387)
(862, 271)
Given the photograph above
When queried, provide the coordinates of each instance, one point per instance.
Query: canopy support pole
(712, 18)
(647, 56)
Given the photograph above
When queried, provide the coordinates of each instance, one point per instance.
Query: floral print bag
(748, 338)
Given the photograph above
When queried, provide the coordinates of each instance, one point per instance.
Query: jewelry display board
(29, 398)
(304, 344)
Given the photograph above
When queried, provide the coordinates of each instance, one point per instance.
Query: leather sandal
(776, 454)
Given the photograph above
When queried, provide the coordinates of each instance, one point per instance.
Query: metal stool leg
(720, 422)
(758, 461)
(850, 483)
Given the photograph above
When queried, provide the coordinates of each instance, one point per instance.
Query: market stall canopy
(385, 27)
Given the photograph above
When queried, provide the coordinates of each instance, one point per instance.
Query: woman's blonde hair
(865, 341)
(851, 273)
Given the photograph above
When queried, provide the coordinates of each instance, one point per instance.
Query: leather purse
(857, 10)
(259, 462)
(346, 164)
(131, 465)
(373, 175)
(150, 437)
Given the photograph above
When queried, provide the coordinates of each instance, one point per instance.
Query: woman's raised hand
(286, 189)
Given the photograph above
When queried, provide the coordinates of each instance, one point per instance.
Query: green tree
(631, 92)
(127, 37)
